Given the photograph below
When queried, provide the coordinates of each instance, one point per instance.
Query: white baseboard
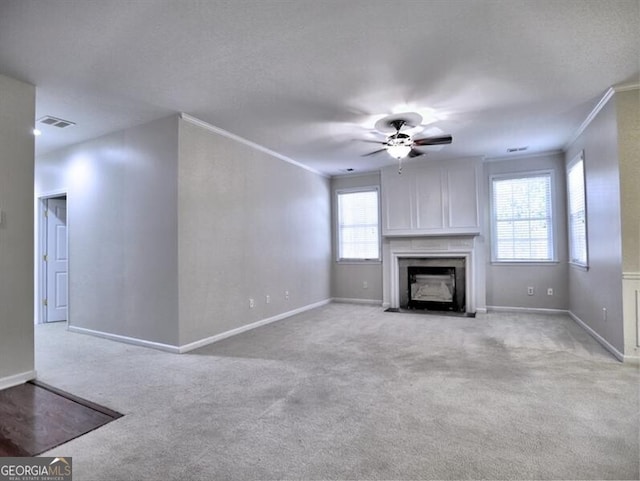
(196, 344)
(16, 379)
(531, 310)
(263, 322)
(617, 354)
(127, 340)
(349, 300)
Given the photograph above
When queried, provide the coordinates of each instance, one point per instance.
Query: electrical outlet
(365, 285)
(268, 299)
(252, 303)
(286, 295)
(550, 291)
(530, 291)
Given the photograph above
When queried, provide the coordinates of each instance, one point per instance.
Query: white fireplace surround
(464, 247)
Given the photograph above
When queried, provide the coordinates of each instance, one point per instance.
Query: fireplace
(433, 284)
(457, 252)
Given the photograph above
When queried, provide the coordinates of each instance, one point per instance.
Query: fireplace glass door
(432, 288)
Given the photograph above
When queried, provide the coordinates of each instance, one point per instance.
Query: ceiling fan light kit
(399, 151)
(399, 144)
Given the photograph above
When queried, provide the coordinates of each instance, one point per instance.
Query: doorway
(54, 259)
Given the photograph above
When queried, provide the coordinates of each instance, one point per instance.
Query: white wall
(122, 223)
(601, 285)
(250, 225)
(17, 113)
(172, 228)
(507, 283)
(347, 279)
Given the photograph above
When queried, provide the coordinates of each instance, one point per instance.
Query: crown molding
(592, 115)
(249, 143)
(599, 106)
(357, 174)
(626, 87)
(524, 156)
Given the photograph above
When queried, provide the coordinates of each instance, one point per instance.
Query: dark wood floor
(35, 417)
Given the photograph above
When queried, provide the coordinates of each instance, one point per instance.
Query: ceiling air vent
(517, 149)
(55, 122)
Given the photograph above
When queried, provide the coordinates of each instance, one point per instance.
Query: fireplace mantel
(466, 247)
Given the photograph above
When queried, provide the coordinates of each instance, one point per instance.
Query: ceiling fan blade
(372, 153)
(415, 153)
(372, 141)
(440, 140)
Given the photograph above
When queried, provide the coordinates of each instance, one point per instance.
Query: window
(358, 220)
(577, 212)
(522, 224)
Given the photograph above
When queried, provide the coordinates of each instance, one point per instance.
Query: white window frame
(553, 242)
(582, 265)
(352, 190)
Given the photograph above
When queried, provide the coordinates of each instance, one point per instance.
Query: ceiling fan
(400, 145)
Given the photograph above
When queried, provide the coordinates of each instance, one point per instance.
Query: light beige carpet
(351, 392)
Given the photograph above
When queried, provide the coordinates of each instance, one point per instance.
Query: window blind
(358, 236)
(577, 213)
(522, 221)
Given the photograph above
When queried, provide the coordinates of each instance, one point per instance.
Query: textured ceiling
(306, 78)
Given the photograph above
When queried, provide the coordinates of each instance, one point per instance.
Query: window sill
(524, 263)
(358, 261)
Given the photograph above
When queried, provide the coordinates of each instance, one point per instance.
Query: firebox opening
(433, 284)
(432, 288)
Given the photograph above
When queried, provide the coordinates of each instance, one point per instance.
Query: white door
(55, 258)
